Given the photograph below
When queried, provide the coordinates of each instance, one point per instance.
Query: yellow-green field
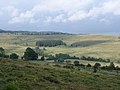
(110, 49)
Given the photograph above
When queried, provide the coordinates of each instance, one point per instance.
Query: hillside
(103, 46)
(28, 76)
(33, 32)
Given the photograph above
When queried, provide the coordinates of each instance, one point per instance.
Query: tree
(14, 56)
(97, 65)
(30, 54)
(2, 52)
(76, 63)
(89, 65)
(42, 58)
(111, 66)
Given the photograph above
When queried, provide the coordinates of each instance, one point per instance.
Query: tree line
(61, 56)
(96, 67)
(94, 59)
(31, 54)
(49, 43)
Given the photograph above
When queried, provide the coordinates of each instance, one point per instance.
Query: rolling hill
(109, 48)
(24, 75)
(33, 32)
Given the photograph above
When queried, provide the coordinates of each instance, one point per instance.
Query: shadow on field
(88, 43)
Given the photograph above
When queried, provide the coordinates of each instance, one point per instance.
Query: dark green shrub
(14, 56)
(76, 63)
(97, 65)
(42, 58)
(89, 65)
(111, 66)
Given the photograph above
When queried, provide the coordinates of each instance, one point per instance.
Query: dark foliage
(14, 56)
(89, 65)
(76, 63)
(2, 52)
(30, 54)
(94, 59)
(42, 58)
(49, 43)
(61, 55)
(97, 65)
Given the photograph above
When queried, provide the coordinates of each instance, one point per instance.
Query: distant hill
(2, 31)
(43, 33)
(33, 32)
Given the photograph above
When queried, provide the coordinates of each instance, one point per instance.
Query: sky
(73, 16)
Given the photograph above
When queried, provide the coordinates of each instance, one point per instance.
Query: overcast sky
(75, 16)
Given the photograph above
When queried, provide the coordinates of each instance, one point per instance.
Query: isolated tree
(76, 63)
(111, 66)
(42, 58)
(30, 54)
(97, 65)
(89, 65)
(2, 52)
(14, 56)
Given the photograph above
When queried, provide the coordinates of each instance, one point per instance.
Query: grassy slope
(29, 76)
(111, 49)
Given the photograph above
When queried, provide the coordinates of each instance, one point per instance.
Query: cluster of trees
(110, 67)
(11, 56)
(94, 59)
(50, 43)
(30, 54)
(61, 56)
(97, 66)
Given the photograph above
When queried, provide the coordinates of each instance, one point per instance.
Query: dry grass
(17, 43)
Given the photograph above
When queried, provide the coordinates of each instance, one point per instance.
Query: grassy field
(37, 75)
(109, 49)
(24, 75)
